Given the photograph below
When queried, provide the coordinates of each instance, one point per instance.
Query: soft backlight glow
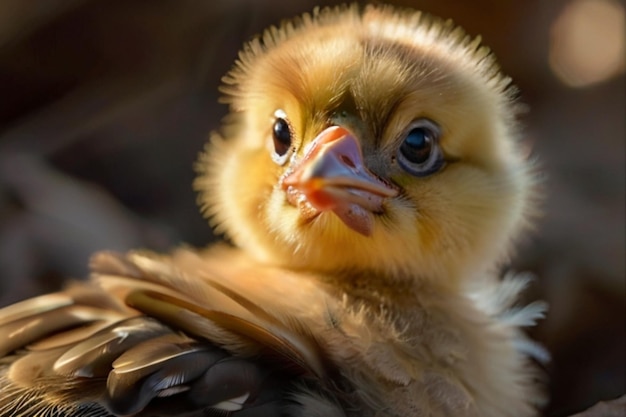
(587, 45)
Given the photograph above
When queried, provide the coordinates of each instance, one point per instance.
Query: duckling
(371, 180)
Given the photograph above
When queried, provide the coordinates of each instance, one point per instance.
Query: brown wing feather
(137, 335)
(280, 340)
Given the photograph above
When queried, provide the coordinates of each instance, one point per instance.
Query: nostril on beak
(346, 160)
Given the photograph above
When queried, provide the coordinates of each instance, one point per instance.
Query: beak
(332, 177)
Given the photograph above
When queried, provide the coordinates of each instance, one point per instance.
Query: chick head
(368, 139)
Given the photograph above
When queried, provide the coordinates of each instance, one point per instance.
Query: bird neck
(385, 293)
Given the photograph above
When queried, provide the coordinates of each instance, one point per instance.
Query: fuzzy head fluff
(381, 68)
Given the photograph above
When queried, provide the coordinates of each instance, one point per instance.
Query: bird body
(370, 178)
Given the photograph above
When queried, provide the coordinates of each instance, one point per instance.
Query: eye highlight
(419, 153)
(282, 137)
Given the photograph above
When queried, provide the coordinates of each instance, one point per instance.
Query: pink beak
(332, 177)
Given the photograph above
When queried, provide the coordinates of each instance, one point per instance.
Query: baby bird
(370, 177)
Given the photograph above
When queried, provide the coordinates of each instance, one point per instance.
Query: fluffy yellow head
(379, 73)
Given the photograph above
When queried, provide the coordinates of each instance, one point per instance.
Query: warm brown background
(104, 106)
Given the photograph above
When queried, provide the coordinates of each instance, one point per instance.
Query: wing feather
(143, 336)
(167, 308)
(94, 355)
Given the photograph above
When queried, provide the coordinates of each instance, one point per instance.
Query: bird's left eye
(282, 138)
(419, 153)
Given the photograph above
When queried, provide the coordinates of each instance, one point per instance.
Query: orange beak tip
(321, 200)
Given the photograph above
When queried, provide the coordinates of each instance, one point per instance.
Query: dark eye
(419, 153)
(417, 146)
(282, 137)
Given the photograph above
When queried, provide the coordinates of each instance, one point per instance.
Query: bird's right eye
(282, 137)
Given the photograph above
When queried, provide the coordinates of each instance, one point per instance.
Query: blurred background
(104, 106)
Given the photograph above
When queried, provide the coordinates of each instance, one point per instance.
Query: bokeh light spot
(587, 42)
